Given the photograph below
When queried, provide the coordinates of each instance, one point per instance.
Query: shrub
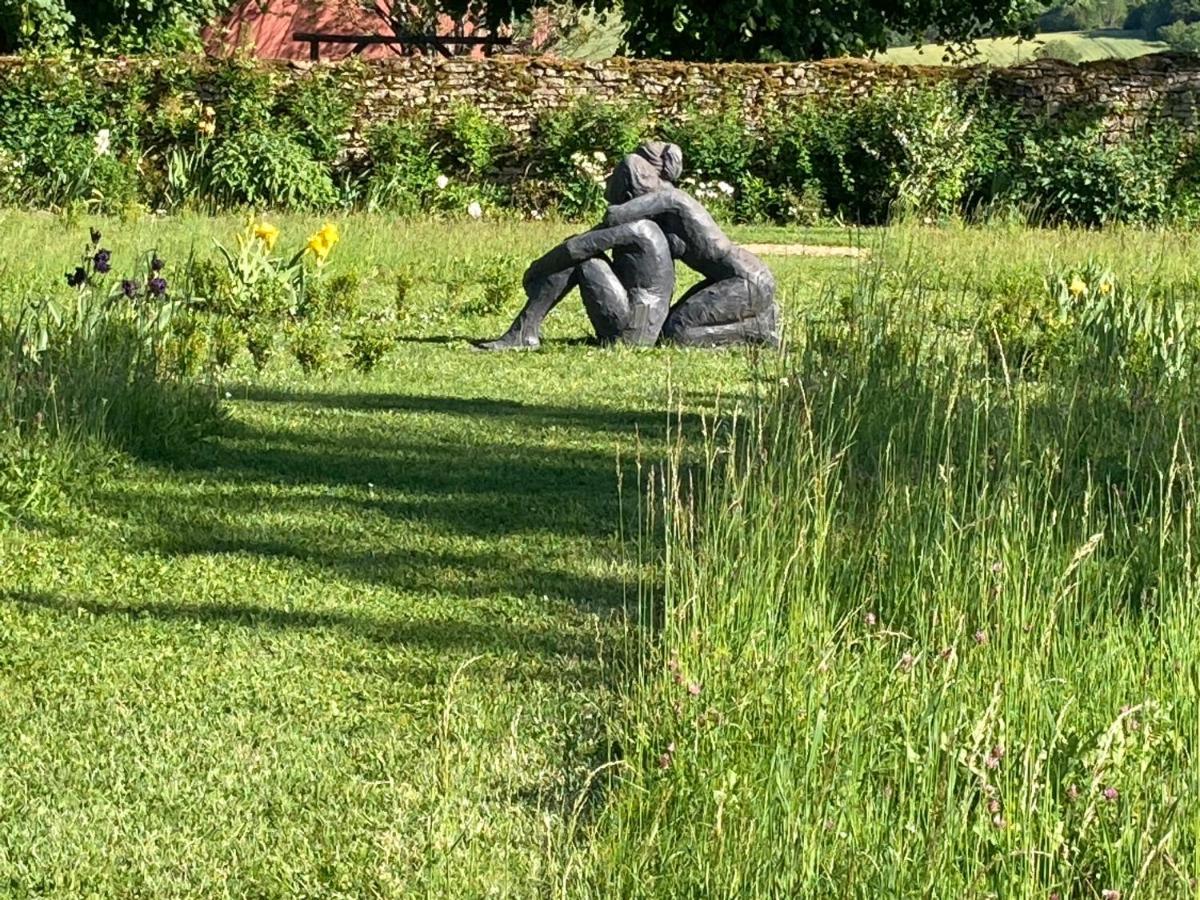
(1061, 49)
(311, 344)
(1076, 177)
(370, 342)
(224, 342)
(317, 110)
(573, 148)
(260, 343)
(472, 141)
(1182, 36)
(268, 167)
(339, 297)
(500, 278)
(404, 169)
(908, 149)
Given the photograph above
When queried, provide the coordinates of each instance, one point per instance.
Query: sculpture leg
(544, 292)
(604, 298)
(724, 313)
(629, 298)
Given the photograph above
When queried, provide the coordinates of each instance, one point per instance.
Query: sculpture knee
(593, 270)
(648, 234)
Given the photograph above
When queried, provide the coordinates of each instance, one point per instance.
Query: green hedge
(115, 137)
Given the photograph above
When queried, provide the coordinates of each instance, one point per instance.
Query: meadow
(1078, 46)
(903, 611)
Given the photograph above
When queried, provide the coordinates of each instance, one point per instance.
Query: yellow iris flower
(1078, 286)
(321, 243)
(267, 233)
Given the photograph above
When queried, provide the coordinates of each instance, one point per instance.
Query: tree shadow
(499, 487)
(448, 635)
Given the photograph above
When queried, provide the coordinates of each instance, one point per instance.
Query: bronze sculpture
(649, 223)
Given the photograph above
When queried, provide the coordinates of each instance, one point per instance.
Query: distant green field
(1078, 46)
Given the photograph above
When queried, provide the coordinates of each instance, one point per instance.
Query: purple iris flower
(102, 262)
(157, 286)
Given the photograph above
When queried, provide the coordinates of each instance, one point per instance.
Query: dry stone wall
(515, 90)
(1134, 92)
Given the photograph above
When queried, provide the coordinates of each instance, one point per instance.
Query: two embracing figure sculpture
(625, 269)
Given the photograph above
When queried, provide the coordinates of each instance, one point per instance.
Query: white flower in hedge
(600, 157)
(103, 142)
(475, 211)
(443, 182)
(725, 188)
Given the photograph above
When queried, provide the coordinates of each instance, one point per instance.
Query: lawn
(360, 643)
(372, 639)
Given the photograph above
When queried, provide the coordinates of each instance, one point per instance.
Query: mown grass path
(233, 675)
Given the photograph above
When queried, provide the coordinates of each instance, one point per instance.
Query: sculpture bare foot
(510, 341)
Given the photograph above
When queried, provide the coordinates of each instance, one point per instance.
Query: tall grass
(89, 378)
(928, 627)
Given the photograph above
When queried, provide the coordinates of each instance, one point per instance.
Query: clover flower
(443, 182)
(475, 211)
(103, 142)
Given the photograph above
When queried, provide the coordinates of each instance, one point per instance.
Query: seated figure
(733, 304)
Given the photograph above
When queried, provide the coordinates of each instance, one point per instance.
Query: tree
(783, 29)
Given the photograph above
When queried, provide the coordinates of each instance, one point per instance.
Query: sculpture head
(651, 167)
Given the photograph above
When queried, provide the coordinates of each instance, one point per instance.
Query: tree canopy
(783, 29)
(670, 29)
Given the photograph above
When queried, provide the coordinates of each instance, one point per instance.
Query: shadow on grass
(323, 493)
(440, 635)
(595, 418)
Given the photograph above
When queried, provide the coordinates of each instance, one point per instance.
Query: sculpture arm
(648, 206)
(583, 247)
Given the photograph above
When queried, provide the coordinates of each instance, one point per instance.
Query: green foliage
(730, 29)
(269, 167)
(500, 277)
(1076, 177)
(1061, 50)
(97, 370)
(113, 24)
(1156, 14)
(311, 344)
(224, 341)
(317, 110)
(473, 142)
(260, 343)
(1085, 15)
(1182, 36)
(574, 147)
(370, 341)
(404, 165)
(913, 597)
(339, 297)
